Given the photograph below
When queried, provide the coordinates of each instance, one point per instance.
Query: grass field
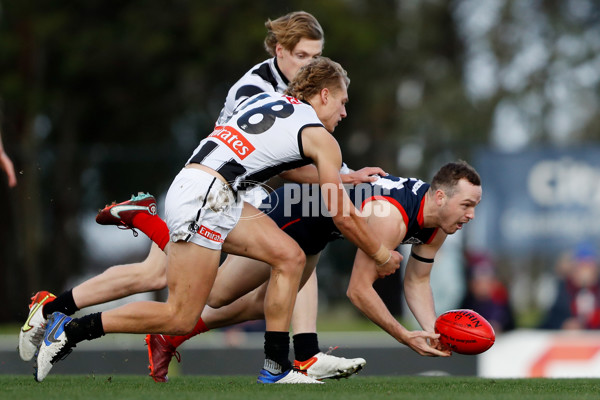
(66, 387)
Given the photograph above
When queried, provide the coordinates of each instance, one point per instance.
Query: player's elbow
(354, 294)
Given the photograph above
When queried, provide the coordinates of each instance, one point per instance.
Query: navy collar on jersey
(283, 78)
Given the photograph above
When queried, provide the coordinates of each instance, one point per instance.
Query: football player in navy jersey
(269, 133)
(292, 40)
(400, 211)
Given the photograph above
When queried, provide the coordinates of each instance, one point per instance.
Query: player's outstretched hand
(391, 265)
(7, 165)
(366, 174)
(424, 343)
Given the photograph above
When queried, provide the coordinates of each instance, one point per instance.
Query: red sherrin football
(465, 331)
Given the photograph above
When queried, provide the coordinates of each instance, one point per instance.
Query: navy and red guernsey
(299, 210)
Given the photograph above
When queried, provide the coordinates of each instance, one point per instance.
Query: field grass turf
(89, 387)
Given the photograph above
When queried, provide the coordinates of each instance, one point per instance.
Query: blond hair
(290, 29)
(318, 74)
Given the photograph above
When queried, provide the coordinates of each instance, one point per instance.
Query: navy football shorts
(311, 230)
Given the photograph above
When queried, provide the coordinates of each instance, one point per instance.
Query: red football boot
(160, 353)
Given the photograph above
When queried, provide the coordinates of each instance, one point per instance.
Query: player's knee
(291, 261)
(183, 323)
(217, 300)
(156, 278)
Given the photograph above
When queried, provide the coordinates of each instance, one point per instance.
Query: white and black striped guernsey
(263, 77)
(260, 140)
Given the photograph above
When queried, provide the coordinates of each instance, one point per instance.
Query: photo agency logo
(308, 200)
(260, 195)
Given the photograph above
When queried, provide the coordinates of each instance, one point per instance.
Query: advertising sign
(542, 200)
(542, 354)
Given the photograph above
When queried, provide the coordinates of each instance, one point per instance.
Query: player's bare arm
(310, 174)
(323, 149)
(363, 175)
(391, 229)
(6, 164)
(417, 287)
(305, 174)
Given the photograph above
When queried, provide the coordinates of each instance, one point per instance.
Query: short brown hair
(290, 29)
(320, 73)
(448, 176)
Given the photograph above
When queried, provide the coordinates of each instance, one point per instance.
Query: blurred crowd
(576, 303)
(574, 298)
(486, 293)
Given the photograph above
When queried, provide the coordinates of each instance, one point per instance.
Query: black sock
(277, 349)
(87, 327)
(64, 303)
(306, 345)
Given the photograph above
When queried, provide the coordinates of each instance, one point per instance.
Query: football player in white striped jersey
(204, 214)
(292, 40)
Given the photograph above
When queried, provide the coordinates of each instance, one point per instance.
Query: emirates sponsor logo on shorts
(234, 140)
(210, 234)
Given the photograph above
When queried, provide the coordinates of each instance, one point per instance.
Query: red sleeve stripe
(290, 223)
